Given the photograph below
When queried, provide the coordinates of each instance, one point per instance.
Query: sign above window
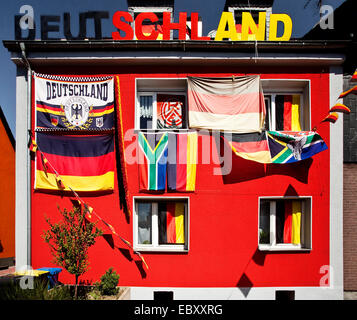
(156, 26)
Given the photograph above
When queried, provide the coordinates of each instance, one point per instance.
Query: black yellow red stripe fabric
(83, 163)
(292, 221)
(353, 90)
(121, 163)
(182, 160)
(171, 222)
(332, 117)
(354, 76)
(250, 146)
(288, 112)
(339, 107)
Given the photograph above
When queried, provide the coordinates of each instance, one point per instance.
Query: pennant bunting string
(89, 210)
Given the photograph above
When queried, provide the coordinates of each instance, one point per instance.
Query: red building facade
(222, 224)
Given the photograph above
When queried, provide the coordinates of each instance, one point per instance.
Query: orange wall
(7, 195)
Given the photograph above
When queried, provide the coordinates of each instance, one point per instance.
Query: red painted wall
(223, 209)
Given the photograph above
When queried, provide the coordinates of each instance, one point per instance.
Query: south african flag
(288, 147)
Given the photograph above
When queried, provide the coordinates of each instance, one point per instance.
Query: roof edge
(66, 45)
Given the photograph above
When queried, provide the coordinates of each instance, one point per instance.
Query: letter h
(167, 25)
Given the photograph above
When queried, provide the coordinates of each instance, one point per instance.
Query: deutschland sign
(128, 29)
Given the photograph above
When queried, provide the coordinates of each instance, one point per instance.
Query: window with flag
(161, 104)
(284, 112)
(287, 105)
(284, 223)
(161, 224)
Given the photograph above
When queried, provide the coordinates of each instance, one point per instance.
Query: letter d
(273, 31)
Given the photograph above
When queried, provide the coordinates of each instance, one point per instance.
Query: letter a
(231, 33)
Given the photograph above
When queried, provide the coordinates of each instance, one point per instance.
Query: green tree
(70, 240)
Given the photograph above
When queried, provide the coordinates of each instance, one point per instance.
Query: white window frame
(302, 87)
(268, 11)
(306, 235)
(155, 246)
(154, 88)
(154, 106)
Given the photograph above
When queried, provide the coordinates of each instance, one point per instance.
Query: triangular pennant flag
(88, 211)
(59, 182)
(33, 146)
(349, 91)
(44, 163)
(339, 107)
(332, 117)
(354, 76)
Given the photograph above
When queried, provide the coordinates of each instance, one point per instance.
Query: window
(284, 223)
(161, 224)
(254, 11)
(283, 112)
(161, 104)
(287, 105)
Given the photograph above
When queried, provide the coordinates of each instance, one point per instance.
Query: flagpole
(28, 158)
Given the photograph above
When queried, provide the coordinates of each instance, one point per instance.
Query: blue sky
(303, 17)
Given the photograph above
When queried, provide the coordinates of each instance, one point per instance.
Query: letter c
(139, 26)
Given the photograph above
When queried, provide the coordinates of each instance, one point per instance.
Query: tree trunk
(76, 288)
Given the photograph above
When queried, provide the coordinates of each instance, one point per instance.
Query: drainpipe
(28, 162)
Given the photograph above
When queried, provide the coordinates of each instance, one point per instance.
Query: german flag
(292, 222)
(182, 160)
(287, 112)
(250, 146)
(82, 163)
(171, 222)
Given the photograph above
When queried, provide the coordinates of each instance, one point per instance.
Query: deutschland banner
(85, 103)
(84, 163)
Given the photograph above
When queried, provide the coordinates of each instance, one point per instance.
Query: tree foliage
(70, 240)
(109, 282)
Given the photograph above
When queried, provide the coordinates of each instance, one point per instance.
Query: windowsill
(160, 249)
(289, 248)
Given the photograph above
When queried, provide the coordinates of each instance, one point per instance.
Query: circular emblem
(77, 111)
(171, 112)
